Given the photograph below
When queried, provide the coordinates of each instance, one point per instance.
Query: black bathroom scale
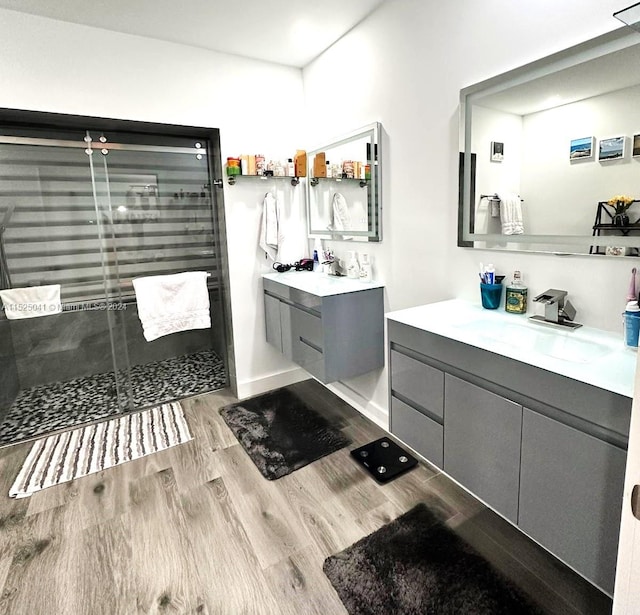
(384, 459)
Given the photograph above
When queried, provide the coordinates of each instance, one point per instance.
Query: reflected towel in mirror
(511, 214)
(171, 303)
(31, 301)
(340, 216)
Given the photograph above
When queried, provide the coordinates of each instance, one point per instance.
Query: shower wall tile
(77, 343)
(9, 381)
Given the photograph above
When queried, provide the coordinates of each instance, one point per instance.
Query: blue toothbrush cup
(491, 295)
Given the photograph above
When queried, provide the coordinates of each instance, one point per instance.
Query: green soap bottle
(516, 295)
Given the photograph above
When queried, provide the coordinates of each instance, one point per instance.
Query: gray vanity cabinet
(482, 434)
(545, 451)
(333, 337)
(571, 490)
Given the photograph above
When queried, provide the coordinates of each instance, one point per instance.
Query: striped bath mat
(72, 454)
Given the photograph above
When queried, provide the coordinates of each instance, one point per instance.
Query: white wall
(414, 56)
(47, 65)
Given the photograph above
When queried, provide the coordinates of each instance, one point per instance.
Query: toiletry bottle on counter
(516, 295)
(353, 268)
(631, 324)
(366, 274)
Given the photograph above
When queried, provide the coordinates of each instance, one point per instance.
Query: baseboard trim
(366, 407)
(249, 388)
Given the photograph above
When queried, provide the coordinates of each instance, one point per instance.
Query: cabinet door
(571, 495)
(482, 444)
(272, 321)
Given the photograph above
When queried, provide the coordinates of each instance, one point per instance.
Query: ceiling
(290, 32)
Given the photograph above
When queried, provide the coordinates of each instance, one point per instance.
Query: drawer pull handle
(635, 502)
(311, 344)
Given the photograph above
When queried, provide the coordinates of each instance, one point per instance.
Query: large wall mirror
(546, 147)
(344, 187)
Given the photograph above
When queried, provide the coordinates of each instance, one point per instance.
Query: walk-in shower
(90, 204)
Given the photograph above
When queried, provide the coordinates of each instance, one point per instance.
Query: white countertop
(597, 357)
(320, 284)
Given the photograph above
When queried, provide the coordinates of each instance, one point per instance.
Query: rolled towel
(31, 301)
(171, 303)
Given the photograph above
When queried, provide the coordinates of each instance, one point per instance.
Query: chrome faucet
(558, 310)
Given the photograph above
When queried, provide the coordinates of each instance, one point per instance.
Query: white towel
(270, 236)
(511, 214)
(340, 216)
(171, 303)
(31, 301)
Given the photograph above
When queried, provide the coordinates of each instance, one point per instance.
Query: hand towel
(171, 303)
(270, 238)
(31, 302)
(340, 216)
(511, 214)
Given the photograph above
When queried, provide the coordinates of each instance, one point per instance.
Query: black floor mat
(281, 433)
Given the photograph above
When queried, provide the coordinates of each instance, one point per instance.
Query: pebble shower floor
(50, 407)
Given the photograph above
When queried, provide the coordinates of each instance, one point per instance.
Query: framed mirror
(551, 153)
(345, 187)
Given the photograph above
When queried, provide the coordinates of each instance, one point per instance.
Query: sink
(557, 344)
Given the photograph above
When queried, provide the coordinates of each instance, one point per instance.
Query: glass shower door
(155, 208)
(114, 305)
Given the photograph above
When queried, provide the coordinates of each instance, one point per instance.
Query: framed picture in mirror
(497, 151)
(611, 149)
(582, 149)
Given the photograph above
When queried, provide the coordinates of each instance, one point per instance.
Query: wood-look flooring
(197, 529)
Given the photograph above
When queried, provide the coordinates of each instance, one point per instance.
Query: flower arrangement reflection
(620, 204)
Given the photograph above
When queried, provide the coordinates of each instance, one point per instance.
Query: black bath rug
(281, 433)
(384, 459)
(415, 565)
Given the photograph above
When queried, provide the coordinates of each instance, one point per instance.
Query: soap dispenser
(353, 268)
(366, 274)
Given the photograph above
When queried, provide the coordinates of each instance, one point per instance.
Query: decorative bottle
(516, 295)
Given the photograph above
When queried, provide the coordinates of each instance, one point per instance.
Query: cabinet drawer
(417, 431)
(293, 295)
(418, 382)
(307, 327)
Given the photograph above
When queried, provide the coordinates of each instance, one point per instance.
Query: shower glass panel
(91, 211)
(156, 215)
(114, 305)
(50, 236)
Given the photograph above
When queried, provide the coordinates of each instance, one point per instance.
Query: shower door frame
(20, 118)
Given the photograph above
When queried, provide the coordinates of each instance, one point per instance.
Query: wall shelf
(233, 178)
(314, 181)
(605, 221)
